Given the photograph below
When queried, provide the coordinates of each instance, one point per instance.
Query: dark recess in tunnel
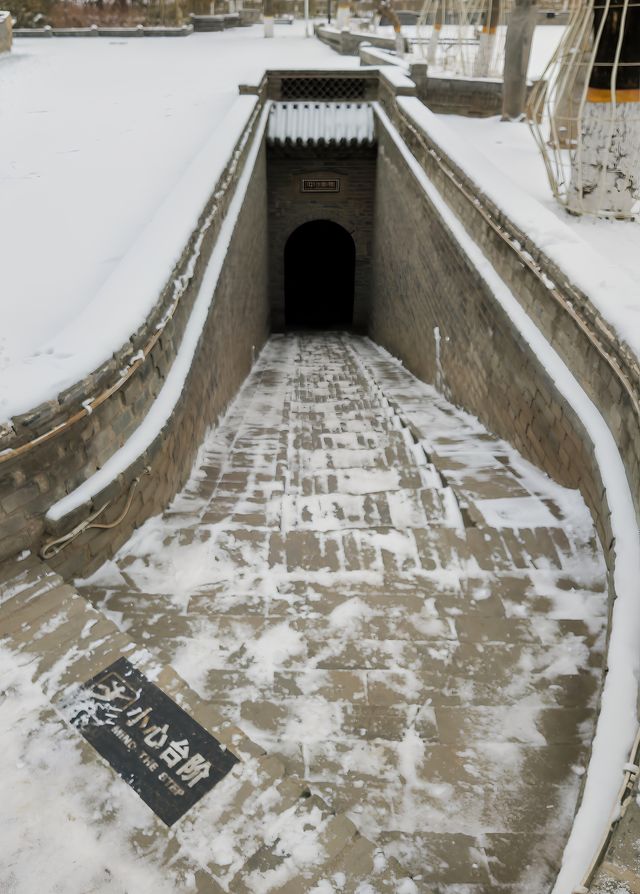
(319, 277)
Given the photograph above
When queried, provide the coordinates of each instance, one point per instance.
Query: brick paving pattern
(388, 598)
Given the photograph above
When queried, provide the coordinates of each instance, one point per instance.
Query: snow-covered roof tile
(311, 123)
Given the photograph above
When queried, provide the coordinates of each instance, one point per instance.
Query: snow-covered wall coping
(370, 55)
(609, 424)
(347, 42)
(107, 31)
(112, 316)
(327, 122)
(398, 80)
(615, 295)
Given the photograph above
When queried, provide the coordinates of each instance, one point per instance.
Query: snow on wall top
(105, 201)
(610, 288)
(314, 122)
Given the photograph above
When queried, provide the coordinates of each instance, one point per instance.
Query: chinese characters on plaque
(316, 184)
(165, 756)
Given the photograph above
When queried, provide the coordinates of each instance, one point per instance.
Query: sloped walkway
(373, 587)
(70, 825)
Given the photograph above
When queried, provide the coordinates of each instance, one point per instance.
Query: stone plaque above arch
(320, 185)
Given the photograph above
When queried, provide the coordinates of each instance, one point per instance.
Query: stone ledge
(72, 440)
(569, 320)
(101, 31)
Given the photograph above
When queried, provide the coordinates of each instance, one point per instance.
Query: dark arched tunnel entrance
(319, 277)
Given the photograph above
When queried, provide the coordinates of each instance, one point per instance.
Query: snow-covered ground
(511, 148)
(109, 150)
(601, 256)
(95, 135)
(57, 821)
(545, 41)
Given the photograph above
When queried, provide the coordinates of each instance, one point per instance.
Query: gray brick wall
(233, 335)
(352, 208)
(32, 481)
(422, 280)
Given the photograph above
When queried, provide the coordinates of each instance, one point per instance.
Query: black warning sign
(162, 753)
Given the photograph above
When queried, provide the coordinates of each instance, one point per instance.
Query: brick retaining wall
(32, 481)
(235, 331)
(422, 279)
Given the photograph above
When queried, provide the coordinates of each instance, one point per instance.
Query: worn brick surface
(483, 364)
(247, 827)
(329, 582)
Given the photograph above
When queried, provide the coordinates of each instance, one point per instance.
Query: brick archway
(319, 276)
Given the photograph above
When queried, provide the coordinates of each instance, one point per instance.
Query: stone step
(399, 509)
(454, 726)
(25, 576)
(359, 859)
(387, 688)
(474, 660)
(329, 424)
(318, 439)
(301, 840)
(347, 407)
(361, 480)
(508, 805)
(309, 461)
(444, 858)
(380, 550)
(470, 767)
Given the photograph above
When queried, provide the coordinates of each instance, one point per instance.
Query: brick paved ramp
(69, 825)
(375, 588)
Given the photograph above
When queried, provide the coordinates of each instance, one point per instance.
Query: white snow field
(545, 40)
(97, 136)
(52, 799)
(601, 256)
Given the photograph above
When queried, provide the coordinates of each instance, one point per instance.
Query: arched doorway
(319, 276)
